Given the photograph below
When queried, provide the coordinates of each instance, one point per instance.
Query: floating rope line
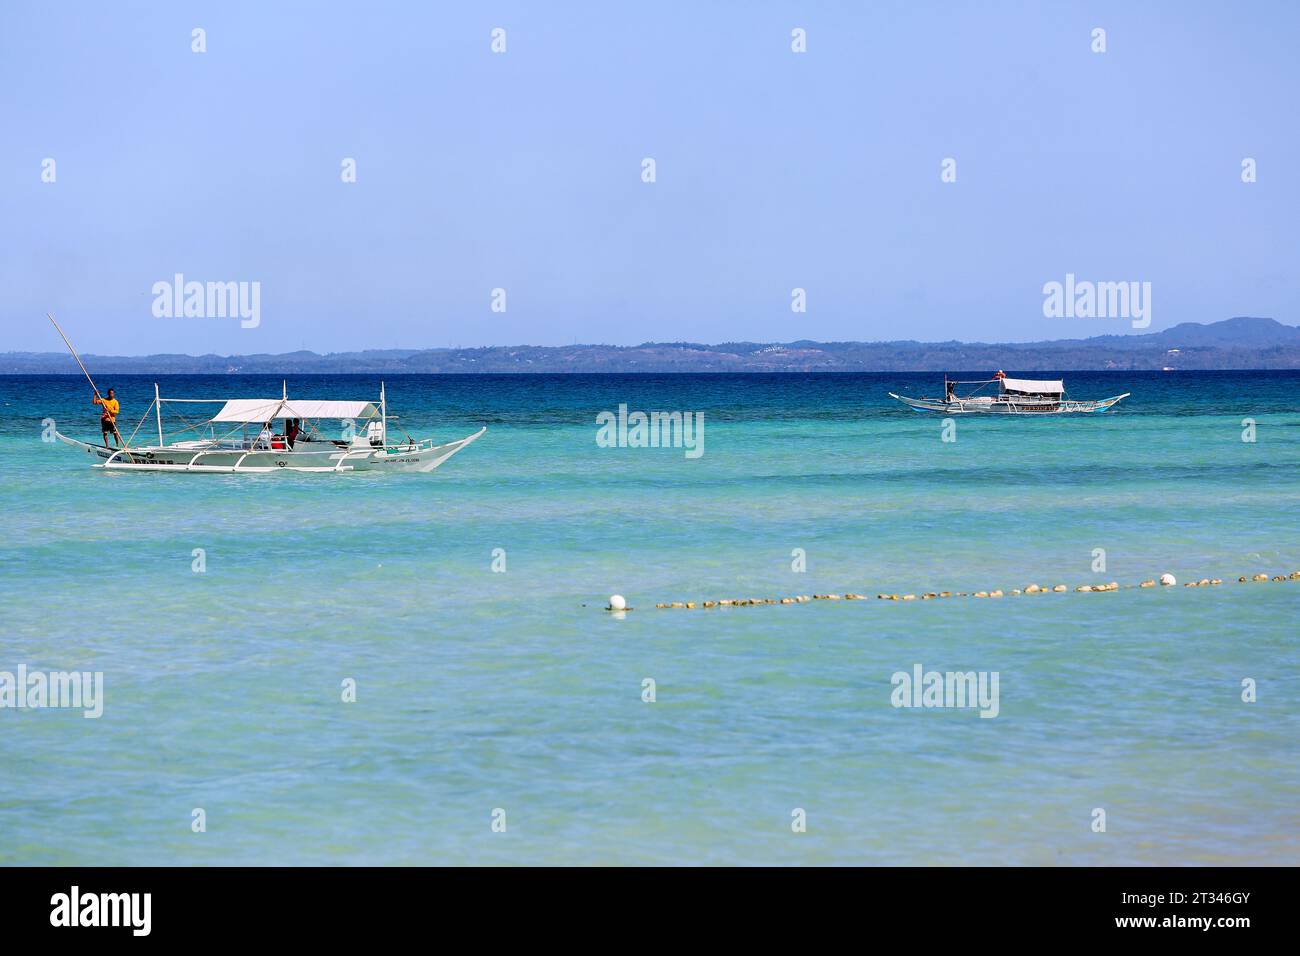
(1166, 580)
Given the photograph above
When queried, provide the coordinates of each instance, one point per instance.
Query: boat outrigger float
(224, 443)
(1015, 396)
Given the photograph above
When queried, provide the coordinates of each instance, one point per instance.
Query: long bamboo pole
(93, 386)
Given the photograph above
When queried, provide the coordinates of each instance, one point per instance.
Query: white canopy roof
(263, 409)
(1036, 386)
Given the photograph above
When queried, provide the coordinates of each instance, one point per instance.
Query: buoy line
(1165, 580)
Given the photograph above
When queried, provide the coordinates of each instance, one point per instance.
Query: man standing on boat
(108, 421)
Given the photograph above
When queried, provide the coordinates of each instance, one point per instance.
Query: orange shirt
(111, 406)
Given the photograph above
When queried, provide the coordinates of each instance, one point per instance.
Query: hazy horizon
(522, 170)
(599, 345)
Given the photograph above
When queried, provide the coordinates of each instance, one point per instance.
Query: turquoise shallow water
(479, 690)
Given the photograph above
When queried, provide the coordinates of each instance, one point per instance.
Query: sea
(419, 668)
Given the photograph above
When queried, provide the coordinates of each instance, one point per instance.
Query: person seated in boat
(950, 389)
(264, 437)
(108, 421)
(291, 430)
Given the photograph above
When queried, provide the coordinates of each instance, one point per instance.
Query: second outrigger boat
(224, 443)
(1014, 396)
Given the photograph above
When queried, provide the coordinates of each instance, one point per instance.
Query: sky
(523, 170)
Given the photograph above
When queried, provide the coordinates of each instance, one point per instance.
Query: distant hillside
(1241, 331)
(1238, 343)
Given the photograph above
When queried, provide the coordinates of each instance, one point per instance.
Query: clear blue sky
(522, 170)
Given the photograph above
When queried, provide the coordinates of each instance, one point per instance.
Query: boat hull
(1009, 406)
(204, 458)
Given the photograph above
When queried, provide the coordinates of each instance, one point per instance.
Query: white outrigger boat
(1015, 396)
(225, 444)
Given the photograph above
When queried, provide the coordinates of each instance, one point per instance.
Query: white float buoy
(1168, 580)
(617, 603)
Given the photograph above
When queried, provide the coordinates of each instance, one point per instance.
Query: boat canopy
(264, 409)
(1033, 386)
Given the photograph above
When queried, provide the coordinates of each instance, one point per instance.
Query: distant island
(1238, 343)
